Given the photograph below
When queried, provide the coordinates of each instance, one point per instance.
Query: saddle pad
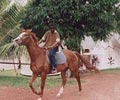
(59, 56)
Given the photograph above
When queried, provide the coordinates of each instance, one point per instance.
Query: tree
(10, 14)
(117, 16)
(72, 17)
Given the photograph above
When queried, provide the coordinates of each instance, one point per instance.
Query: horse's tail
(86, 62)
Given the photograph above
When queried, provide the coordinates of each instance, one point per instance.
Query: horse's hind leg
(64, 79)
(76, 74)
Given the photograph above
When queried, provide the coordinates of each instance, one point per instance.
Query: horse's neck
(34, 51)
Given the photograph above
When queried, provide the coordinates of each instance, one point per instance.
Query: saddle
(59, 56)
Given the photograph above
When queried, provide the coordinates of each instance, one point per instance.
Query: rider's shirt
(51, 38)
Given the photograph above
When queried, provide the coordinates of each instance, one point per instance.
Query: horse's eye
(26, 35)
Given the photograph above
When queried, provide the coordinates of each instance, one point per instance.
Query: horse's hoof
(39, 99)
(58, 95)
(80, 93)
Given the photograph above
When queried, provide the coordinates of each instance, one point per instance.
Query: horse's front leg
(64, 79)
(43, 79)
(34, 76)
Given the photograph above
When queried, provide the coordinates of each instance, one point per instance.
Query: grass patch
(23, 81)
(9, 78)
(14, 81)
(112, 70)
(8, 72)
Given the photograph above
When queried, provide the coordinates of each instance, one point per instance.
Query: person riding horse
(52, 40)
(40, 66)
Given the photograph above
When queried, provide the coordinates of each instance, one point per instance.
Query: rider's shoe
(54, 71)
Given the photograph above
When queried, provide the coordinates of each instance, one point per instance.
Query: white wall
(104, 51)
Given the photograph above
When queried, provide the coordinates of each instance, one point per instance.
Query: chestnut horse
(39, 64)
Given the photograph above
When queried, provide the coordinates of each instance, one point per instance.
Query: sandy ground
(99, 86)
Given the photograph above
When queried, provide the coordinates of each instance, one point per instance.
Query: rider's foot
(54, 71)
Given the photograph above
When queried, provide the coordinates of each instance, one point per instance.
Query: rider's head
(52, 28)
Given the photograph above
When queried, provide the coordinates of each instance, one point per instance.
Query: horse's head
(25, 38)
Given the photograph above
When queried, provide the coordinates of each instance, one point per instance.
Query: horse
(39, 64)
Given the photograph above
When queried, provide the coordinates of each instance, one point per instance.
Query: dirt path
(103, 86)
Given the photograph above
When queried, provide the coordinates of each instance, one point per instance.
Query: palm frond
(3, 4)
(10, 15)
(8, 7)
(8, 51)
(12, 33)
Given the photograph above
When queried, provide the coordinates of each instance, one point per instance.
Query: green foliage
(73, 43)
(72, 17)
(118, 20)
(10, 14)
(8, 51)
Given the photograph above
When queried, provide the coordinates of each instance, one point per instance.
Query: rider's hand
(49, 47)
(38, 43)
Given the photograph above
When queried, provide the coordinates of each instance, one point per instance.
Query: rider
(52, 40)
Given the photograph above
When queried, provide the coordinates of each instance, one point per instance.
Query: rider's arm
(43, 39)
(56, 43)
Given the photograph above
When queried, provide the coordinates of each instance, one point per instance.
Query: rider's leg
(52, 57)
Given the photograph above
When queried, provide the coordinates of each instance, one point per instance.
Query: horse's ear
(29, 30)
(23, 30)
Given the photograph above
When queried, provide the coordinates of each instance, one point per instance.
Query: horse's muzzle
(16, 42)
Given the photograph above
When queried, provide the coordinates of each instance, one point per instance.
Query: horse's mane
(34, 37)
